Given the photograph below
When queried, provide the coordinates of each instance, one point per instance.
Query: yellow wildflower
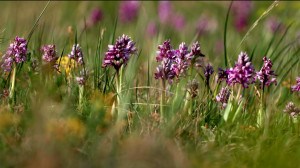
(66, 65)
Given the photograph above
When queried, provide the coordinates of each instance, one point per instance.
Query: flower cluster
(167, 15)
(16, 52)
(291, 109)
(272, 24)
(296, 88)
(165, 51)
(223, 96)
(175, 63)
(84, 75)
(5, 93)
(265, 74)
(165, 71)
(223, 75)
(196, 55)
(205, 24)
(128, 11)
(151, 29)
(165, 11)
(242, 73)
(241, 11)
(95, 15)
(182, 59)
(50, 54)
(119, 54)
(208, 71)
(76, 54)
(193, 88)
(178, 21)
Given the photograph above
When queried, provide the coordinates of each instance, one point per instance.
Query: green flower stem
(239, 93)
(162, 100)
(12, 87)
(81, 91)
(260, 117)
(119, 74)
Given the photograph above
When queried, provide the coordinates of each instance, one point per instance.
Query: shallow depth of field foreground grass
(189, 84)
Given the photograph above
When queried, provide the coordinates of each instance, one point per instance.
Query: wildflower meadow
(142, 84)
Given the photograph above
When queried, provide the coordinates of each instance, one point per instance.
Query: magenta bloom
(265, 74)
(178, 22)
(84, 75)
(76, 54)
(242, 73)
(193, 88)
(128, 11)
(49, 53)
(96, 15)
(119, 54)
(151, 29)
(166, 71)
(196, 55)
(182, 59)
(241, 11)
(241, 22)
(291, 109)
(272, 24)
(16, 52)
(165, 51)
(208, 71)
(5, 93)
(223, 75)
(196, 51)
(205, 24)
(164, 11)
(296, 88)
(223, 96)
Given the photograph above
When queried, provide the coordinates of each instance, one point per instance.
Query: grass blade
(225, 32)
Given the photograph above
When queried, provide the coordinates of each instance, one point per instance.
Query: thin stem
(13, 81)
(260, 117)
(239, 93)
(162, 100)
(81, 91)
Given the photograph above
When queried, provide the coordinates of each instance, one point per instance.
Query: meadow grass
(115, 118)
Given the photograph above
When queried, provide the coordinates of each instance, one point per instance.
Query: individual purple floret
(296, 88)
(119, 54)
(193, 88)
(242, 73)
(182, 60)
(223, 75)
(164, 11)
(16, 52)
(223, 96)
(165, 51)
(84, 75)
(49, 53)
(165, 71)
(208, 71)
(76, 54)
(291, 109)
(265, 74)
(128, 11)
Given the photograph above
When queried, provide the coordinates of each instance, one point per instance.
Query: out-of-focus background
(46, 129)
